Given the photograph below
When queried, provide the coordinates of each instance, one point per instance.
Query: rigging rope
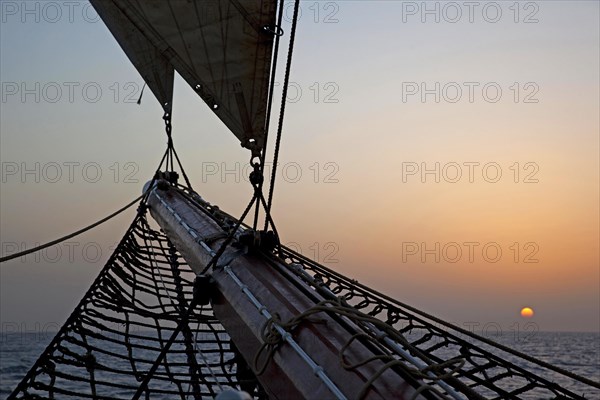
(71, 235)
(171, 149)
(441, 322)
(141, 198)
(107, 345)
(142, 93)
(272, 338)
(263, 155)
(224, 245)
(321, 276)
(184, 318)
(168, 156)
(282, 110)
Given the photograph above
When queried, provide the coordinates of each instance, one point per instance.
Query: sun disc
(527, 312)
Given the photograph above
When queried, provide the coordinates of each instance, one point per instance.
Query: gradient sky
(354, 141)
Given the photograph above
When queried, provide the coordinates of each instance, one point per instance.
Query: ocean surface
(576, 352)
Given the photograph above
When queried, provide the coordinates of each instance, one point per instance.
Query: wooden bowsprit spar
(250, 295)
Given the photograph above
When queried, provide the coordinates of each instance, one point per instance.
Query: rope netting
(119, 328)
(488, 370)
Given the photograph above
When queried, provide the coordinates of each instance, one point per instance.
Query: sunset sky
(452, 163)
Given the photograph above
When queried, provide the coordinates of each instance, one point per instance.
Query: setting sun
(527, 312)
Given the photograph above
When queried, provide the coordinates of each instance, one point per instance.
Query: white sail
(222, 48)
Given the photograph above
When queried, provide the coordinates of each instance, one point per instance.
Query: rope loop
(271, 340)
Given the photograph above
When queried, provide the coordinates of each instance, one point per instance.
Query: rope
(183, 321)
(171, 149)
(272, 338)
(437, 369)
(269, 105)
(194, 370)
(282, 110)
(71, 235)
(204, 360)
(141, 198)
(224, 245)
(381, 297)
(122, 324)
(72, 319)
(185, 177)
(169, 153)
(258, 198)
(141, 94)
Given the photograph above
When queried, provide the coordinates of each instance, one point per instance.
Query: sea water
(575, 352)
